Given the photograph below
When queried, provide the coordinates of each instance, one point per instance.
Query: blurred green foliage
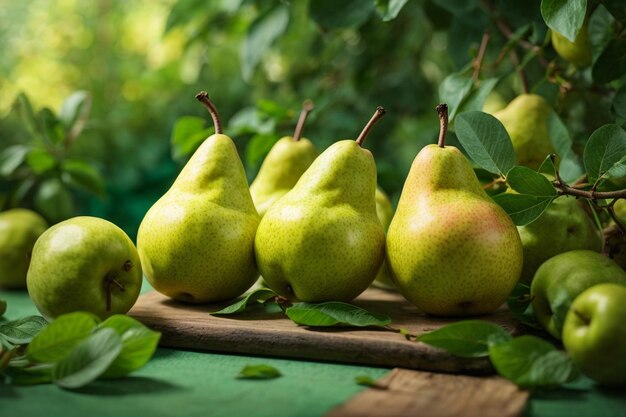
(141, 63)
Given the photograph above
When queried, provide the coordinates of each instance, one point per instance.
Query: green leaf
(523, 209)
(11, 158)
(88, 360)
(138, 344)
(32, 375)
(334, 313)
(183, 11)
(261, 35)
(618, 107)
(528, 181)
(520, 304)
(617, 9)
(486, 141)
(260, 295)
(82, 175)
(40, 160)
(53, 128)
(187, 134)
(258, 372)
(74, 106)
(559, 305)
(3, 307)
(605, 153)
(389, 9)
(58, 339)
(468, 339)
(54, 201)
(611, 64)
(600, 29)
(258, 147)
(457, 7)
(25, 110)
(22, 331)
(475, 100)
(331, 14)
(564, 16)
(453, 90)
(529, 361)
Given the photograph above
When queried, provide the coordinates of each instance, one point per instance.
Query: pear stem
(307, 106)
(442, 111)
(203, 97)
(378, 114)
(108, 282)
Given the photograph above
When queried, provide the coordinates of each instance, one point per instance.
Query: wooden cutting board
(272, 334)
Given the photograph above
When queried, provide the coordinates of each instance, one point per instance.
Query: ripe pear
(563, 277)
(577, 52)
(451, 249)
(384, 211)
(283, 166)
(197, 241)
(19, 230)
(322, 241)
(563, 227)
(526, 121)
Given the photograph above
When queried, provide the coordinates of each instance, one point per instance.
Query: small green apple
(594, 333)
(19, 229)
(84, 264)
(560, 279)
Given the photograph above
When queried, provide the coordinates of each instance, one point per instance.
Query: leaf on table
(22, 331)
(260, 295)
(334, 313)
(258, 372)
(468, 339)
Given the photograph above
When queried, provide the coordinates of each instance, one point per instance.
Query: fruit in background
(384, 211)
(322, 241)
(197, 241)
(283, 166)
(451, 249)
(84, 264)
(594, 334)
(616, 242)
(19, 229)
(3, 307)
(577, 52)
(563, 227)
(560, 279)
(494, 102)
(526, 121)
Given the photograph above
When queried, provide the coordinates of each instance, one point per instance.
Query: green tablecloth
(177, 382)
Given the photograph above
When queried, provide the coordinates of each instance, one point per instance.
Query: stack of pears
(526, 121)
(196, 243)
(451, 249)
(322, 241)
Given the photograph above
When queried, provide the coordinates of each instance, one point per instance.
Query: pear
(384, 211)
(322, 240)
(19, 230)
(577, 52)
(494, 102)
(526, 121)
(563, 227)
(451, 249)
(196, 243)
(283, 166)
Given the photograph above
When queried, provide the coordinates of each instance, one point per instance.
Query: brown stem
(493, 183)
(307, 106)
(203, 97)
(611, 209)
(565, 189)
(128, 265)
(478, 62)
(442, 112)
(406, 334)
(378, 114)
(520, 71)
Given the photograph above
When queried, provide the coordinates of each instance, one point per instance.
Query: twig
(478, 62)
(520, 71)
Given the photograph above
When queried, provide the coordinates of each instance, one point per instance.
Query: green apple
(84, 264)
(562, 278)
(19, 229)
(594, 333)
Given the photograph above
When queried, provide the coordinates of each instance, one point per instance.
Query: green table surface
(189, 383)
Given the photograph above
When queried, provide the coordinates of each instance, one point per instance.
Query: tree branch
(478, 62)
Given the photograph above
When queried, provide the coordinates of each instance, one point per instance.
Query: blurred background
(97, 108)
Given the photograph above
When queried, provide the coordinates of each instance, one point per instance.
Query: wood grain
(272, 334)
(415, 393)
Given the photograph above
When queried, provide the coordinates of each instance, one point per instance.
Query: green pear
(494, 102)
(563, 227)
(560, 279)
(84, 264)
(526, 121)
(323, 241)
(594, 334)
(616, 241)
(19, 229)
(577, 52)
(384, 211)
(196, 243)
(283, 166)
(452, 251)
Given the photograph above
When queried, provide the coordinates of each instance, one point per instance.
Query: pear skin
(384, 211)
(577, 52)
(526, 121)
